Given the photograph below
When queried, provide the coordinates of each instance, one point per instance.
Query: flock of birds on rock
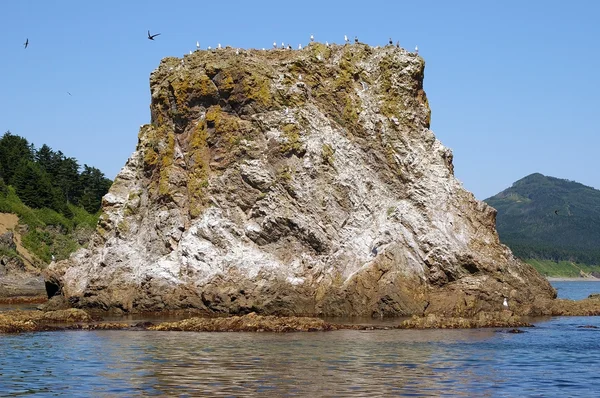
(288, 47)
(283, 46)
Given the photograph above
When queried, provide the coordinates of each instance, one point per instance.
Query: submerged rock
(481, 320)
(256, 190)
(249, 323)
(30, 321)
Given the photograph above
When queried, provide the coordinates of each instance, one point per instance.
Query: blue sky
(513, 85)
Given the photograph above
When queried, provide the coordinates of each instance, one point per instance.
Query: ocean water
(557, 357)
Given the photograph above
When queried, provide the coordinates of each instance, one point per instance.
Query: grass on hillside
(563, 269)
(48, 232)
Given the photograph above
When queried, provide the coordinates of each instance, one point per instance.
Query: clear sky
(513, 85)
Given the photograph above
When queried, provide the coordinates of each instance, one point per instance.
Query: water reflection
(356, 363)
(556, 356)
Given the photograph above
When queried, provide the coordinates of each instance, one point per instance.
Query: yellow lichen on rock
(198, 169)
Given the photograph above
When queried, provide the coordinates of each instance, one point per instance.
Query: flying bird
(69, 93)
(556, 212)
(151, 37)
(26, 42)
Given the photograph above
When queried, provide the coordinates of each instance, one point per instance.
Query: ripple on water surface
(554, 357)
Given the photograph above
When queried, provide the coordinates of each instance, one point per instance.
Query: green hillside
(57, 201)
(564, 269)
(549, 218)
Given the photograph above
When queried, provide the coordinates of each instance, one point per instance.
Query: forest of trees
(43, 178)
(547, 218)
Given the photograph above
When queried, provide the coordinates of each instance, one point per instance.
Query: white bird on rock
(416, 49)
(312, 38)
(346, 39)
(274, 45)
(197, 45)
(299, 46)
(505, 303)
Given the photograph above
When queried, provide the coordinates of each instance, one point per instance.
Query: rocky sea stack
(301, 182)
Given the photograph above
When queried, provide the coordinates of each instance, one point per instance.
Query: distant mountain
(549, 218)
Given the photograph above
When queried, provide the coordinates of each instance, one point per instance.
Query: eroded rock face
(295, 182)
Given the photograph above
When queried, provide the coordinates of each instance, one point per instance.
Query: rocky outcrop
(295, 182)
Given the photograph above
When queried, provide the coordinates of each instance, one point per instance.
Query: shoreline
(569, 279)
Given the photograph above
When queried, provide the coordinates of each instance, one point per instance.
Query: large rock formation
(295, 182)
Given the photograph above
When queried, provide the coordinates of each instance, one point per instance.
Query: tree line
(47, 178)
(546, 252)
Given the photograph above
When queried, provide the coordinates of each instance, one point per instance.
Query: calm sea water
(558, 357)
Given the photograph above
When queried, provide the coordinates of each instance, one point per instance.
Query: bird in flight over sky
(151, 37)
(556, 212)
(26, 43)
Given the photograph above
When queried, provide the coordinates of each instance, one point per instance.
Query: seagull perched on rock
(151, 37)
(312, 38)
(274, 45)
(219, 46)
(346, 39)
(391, 42)
(326, 43)
(283, 45)
(209, 48)
(237, 51)
(299, 46)
(26, 42)
(416, 49)
(197, 45)
(505, 303)
(356, 39)
(397, 43)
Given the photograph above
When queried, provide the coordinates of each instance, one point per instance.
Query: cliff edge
(294, 182)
